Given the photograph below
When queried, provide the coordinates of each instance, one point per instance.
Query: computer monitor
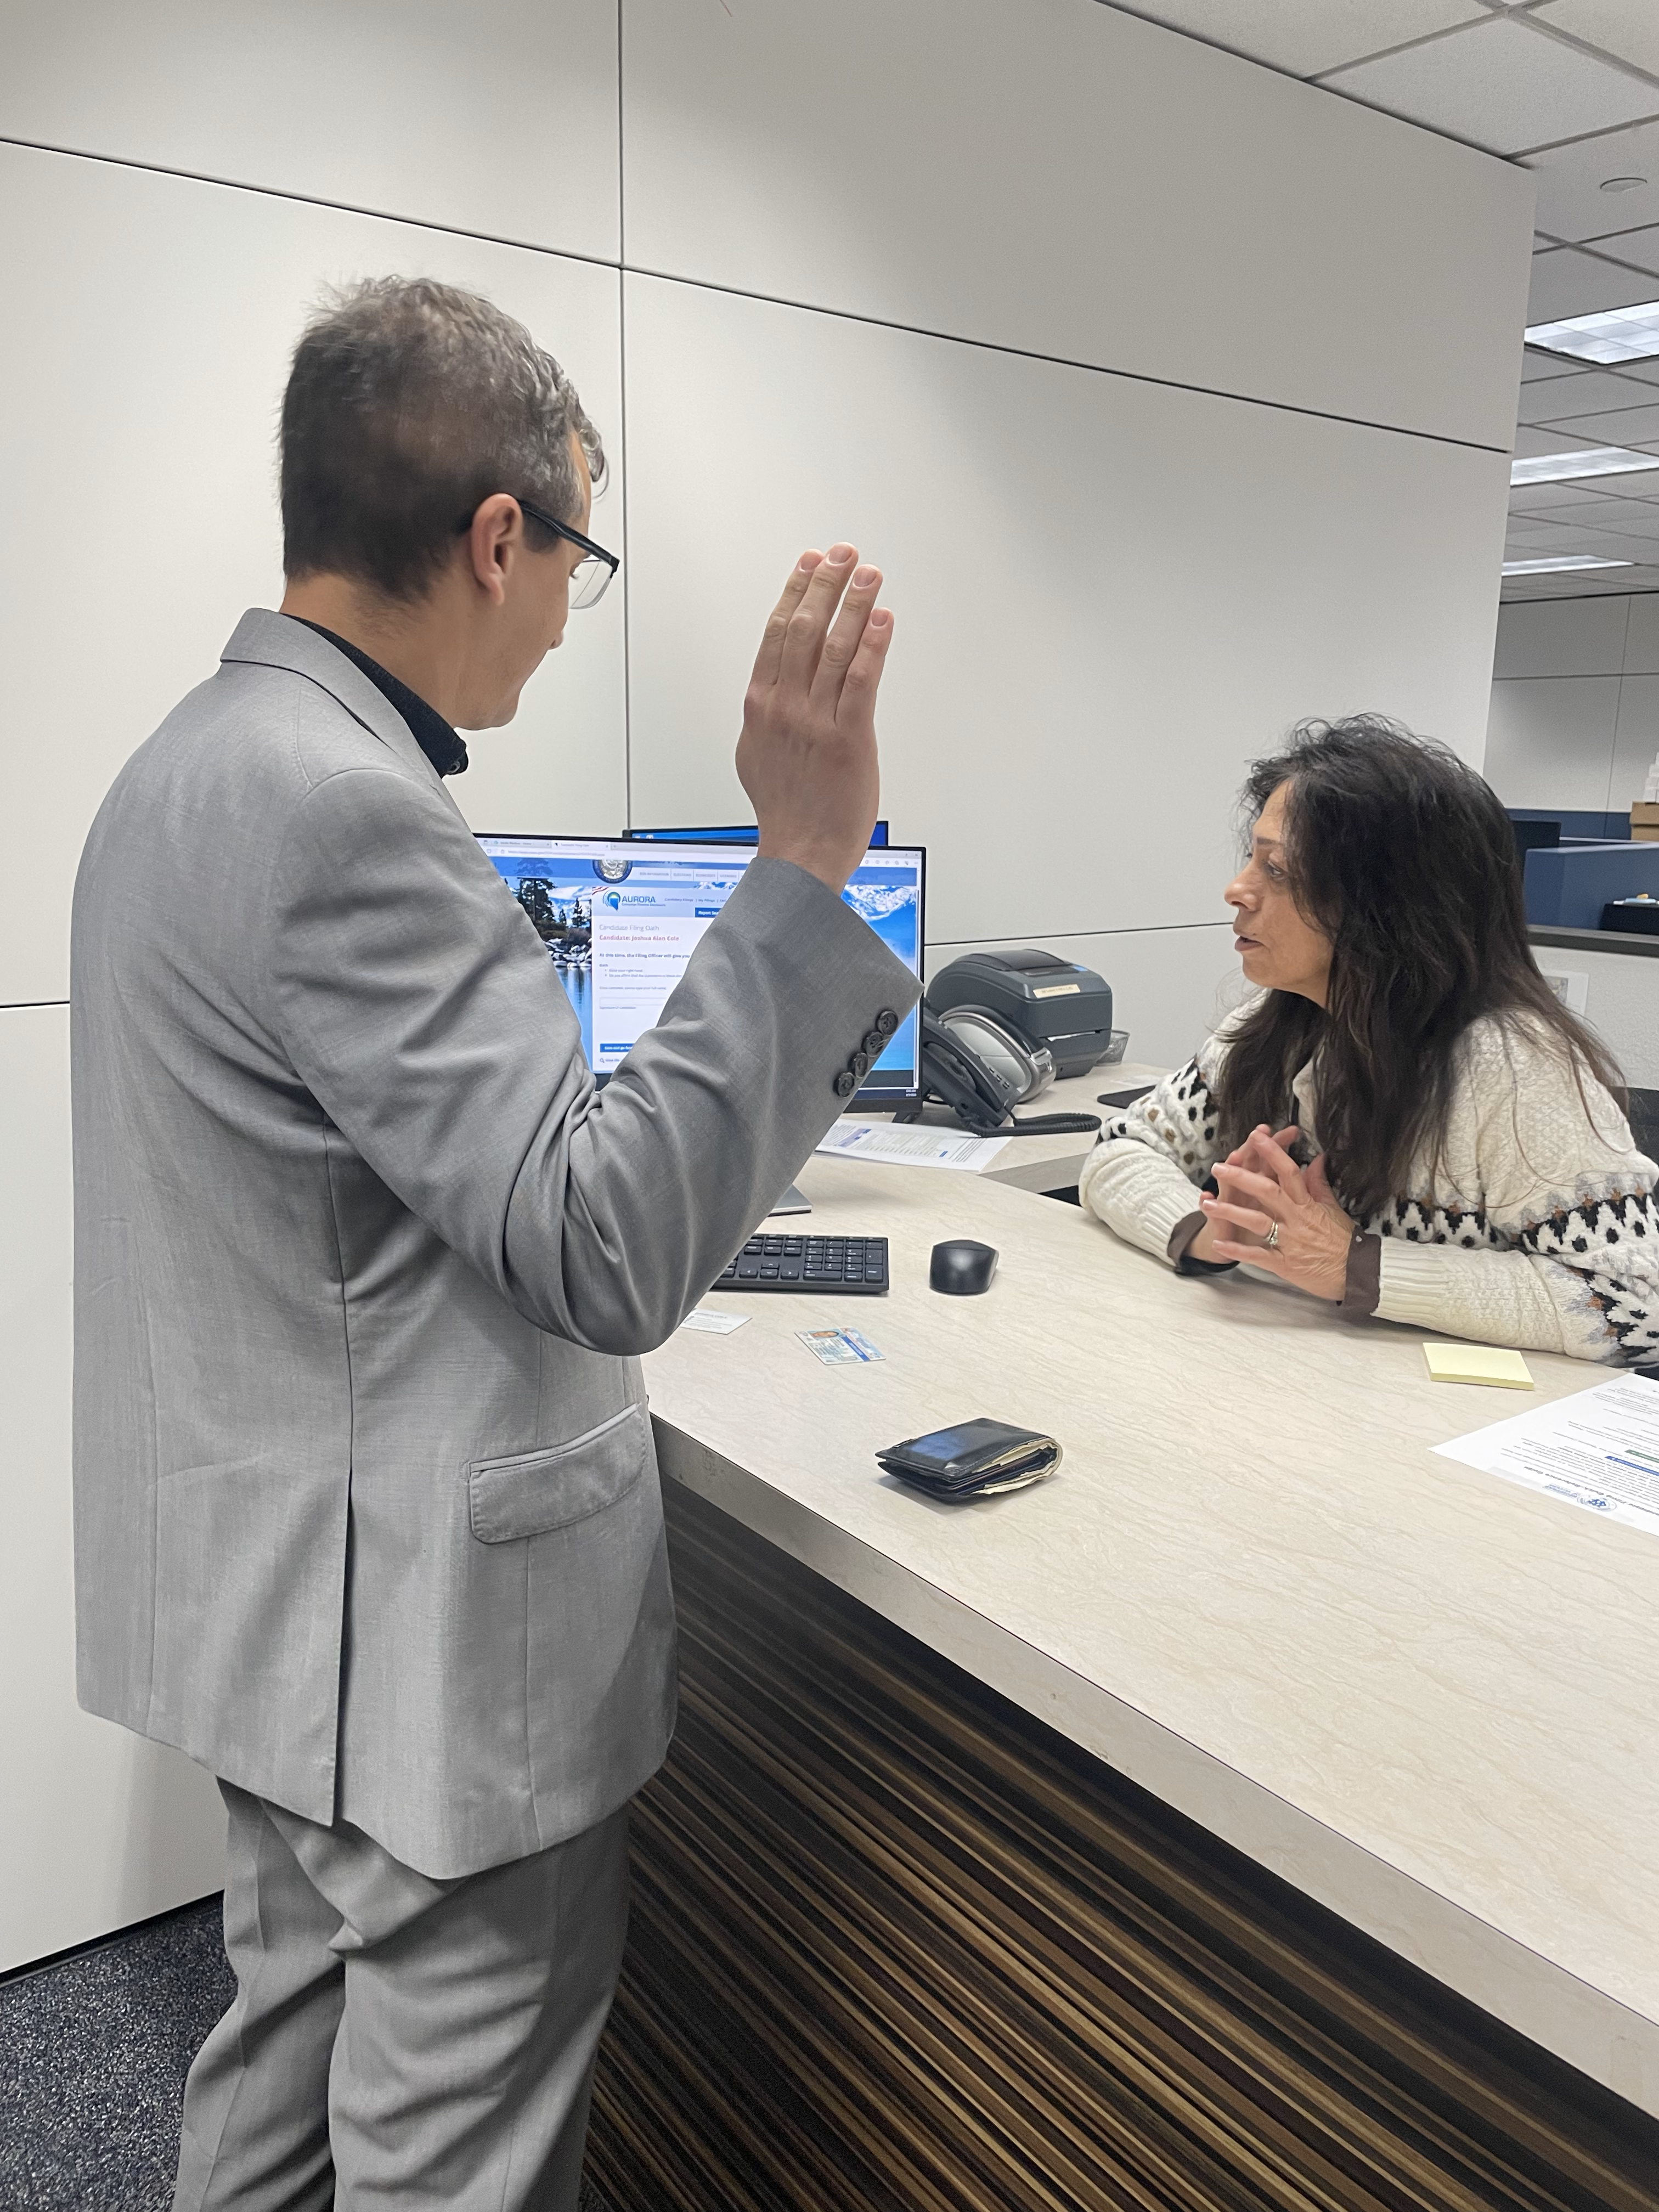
(743, 833)
(621, 919)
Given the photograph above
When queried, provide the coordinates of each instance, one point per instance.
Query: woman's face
(1277, 946)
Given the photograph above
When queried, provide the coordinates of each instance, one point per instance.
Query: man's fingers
(777, 623)
(858, 692)
(842, 642)
(809, 624)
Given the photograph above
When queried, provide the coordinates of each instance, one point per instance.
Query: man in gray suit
(366, 1515)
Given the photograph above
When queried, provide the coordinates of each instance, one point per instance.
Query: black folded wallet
(975, 1459)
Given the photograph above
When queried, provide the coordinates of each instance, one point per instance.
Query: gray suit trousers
(397, 2040)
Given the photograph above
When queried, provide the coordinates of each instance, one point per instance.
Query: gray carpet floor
(93, 2051)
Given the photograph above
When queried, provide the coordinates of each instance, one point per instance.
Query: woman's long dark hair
(1403, 856)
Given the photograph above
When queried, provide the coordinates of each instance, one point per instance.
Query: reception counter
(1262, 1810)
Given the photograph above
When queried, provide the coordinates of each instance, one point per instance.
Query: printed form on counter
(1599, 1450)
(910, 1146)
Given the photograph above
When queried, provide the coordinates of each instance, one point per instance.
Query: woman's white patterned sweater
(1536, 1228)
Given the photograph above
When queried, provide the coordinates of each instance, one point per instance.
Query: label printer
(1045, 1000)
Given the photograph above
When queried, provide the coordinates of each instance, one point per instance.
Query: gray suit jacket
(367, 1515)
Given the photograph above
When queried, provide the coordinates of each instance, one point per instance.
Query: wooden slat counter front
(1423, 1699)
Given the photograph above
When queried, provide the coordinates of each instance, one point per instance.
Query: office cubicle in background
(1175, 396)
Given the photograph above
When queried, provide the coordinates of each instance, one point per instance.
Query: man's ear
(494, 541)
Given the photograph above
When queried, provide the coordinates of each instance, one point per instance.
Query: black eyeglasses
(591, 577)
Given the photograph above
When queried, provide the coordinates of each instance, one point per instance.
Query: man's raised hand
(807, 754)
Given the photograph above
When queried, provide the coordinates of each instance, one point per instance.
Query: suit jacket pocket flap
(535, 1491)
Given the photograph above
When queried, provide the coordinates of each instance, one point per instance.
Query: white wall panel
(1550, 740)
(1169, 987)
(97, 1829)
(1642, 638)
(503, 123)
(154, 321)
(1562, 637)
(1636, 739)
(1058, 177)
(1075, 682)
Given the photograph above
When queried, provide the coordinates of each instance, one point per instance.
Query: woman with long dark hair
(1404, 1120)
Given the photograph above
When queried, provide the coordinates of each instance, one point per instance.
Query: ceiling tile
(1528, 442)
(1635, 519)
(1500, 85)
(1305, 36)
(1591, 391)
(1618, 27)
(1637, 484)
(1629, 426)
(1640, 247)
(1570, 200)
(1541, 499)
(1566, 281)
(1535, 362)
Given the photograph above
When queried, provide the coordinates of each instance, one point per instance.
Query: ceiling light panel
(1558, 564)
(1605, 336)
(1587, 461)
(1501, 85)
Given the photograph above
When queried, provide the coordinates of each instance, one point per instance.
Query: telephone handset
(982, 1071)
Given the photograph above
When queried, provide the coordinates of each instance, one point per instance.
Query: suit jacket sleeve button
(846, 1083)
(886, 1021)
(873, 1044)
(860, 1065)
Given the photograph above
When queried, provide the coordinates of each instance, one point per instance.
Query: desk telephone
(996, 1030)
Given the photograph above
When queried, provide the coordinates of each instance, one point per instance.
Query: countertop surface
(1422, 1695)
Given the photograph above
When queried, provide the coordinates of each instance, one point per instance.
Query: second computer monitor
(621, 919)
(743, 833)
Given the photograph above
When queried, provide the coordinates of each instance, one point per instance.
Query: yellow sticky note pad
(1478, 1363)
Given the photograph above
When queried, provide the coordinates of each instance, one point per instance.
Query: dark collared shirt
(440, 744)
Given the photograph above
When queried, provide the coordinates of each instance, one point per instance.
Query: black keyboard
(855, 1264)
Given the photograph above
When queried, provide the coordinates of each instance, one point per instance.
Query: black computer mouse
(962, 1269)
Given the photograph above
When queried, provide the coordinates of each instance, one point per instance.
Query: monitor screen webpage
(621, 919)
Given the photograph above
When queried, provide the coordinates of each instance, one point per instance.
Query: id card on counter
(839, 1348)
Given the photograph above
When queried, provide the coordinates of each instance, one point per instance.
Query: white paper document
(910, 1146)
(712, 1320)
(1599, 1450)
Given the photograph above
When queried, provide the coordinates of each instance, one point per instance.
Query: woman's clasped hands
(1279, 1217)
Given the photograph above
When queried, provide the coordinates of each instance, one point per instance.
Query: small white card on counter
(839, 1348)
(714, 1321)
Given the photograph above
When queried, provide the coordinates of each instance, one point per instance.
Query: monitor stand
(794, 1201)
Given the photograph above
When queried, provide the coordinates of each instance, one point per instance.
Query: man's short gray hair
(409, 402)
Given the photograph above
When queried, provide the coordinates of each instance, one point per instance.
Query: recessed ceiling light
(1623, 183)
(1616, 334)
(1593, 461)
(1554, 564)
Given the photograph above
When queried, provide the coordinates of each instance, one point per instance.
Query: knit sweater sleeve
(1143, 1177)
(1561, 1253)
